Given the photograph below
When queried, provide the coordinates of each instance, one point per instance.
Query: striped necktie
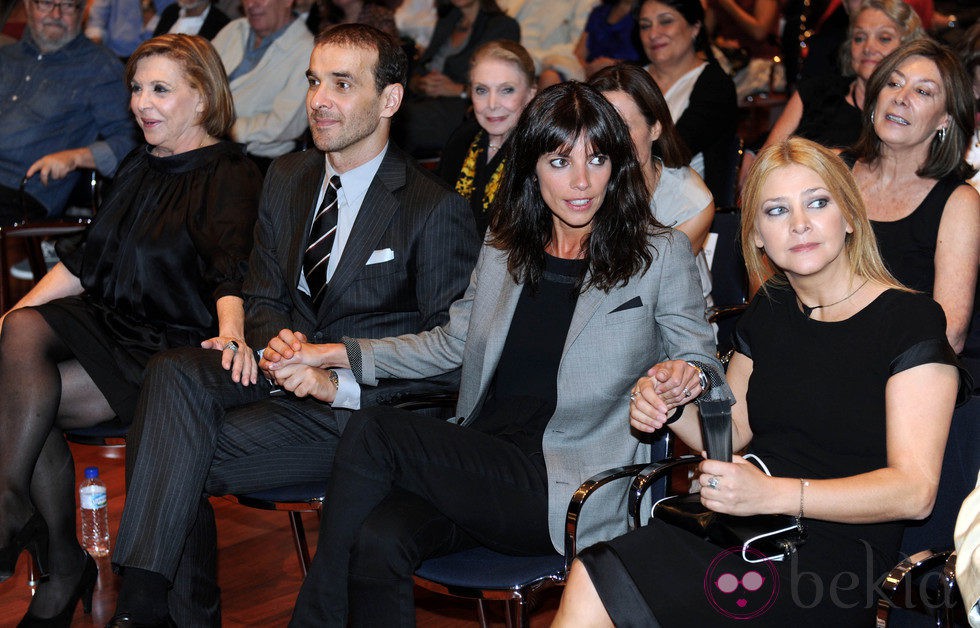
(322, 233)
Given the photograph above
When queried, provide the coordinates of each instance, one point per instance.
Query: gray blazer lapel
(585, 308)
(374, 217)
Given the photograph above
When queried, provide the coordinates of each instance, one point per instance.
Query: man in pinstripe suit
(399, 249)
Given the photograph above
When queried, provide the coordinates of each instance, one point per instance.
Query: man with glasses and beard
(63, 106)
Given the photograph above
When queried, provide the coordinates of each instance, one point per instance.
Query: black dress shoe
(125, 620)
(83, 591)
(34, 538)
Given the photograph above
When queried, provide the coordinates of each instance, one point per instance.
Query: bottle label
(92, 497)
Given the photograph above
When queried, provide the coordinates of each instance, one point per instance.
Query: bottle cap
(91, 472)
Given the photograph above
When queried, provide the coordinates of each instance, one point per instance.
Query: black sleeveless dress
(808, 421)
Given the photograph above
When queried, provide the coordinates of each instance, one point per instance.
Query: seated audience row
(362, 245)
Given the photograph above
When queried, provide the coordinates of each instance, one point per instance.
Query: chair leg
(299, 538)
(481, 614)
(32, 580)
(516, 613)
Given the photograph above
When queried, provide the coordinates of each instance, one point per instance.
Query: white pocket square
(380, 256)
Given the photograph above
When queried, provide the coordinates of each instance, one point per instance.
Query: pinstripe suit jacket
(613, 339)
(429, 228)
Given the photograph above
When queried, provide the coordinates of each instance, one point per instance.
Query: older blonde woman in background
(473, 161)
(827, 109)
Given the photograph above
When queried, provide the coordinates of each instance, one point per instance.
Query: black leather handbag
(760, 537)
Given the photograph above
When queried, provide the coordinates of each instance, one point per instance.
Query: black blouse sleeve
(712, 111)
(71, 250)
(222, 231)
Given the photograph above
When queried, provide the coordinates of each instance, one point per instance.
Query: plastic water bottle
(95, 516)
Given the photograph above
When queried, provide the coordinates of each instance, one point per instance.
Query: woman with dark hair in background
(438, 85)
(575, 273)
(680, 199)
(501, 85)
(160, 266)
(918, 116)
(701, 97)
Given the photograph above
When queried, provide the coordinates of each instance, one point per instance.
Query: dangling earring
(942, 135)
(872, 116)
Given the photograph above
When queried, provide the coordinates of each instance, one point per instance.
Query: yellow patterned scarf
(464, 184)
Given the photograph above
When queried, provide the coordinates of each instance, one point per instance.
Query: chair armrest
(896, 590)
(645, 478)
(577, 501)
(721, 312)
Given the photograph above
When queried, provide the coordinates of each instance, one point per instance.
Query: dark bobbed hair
(640, 86)
(392, 65)
(522, 224)
(947, 156)
(860, 246)
(693, 13)
(202, 68)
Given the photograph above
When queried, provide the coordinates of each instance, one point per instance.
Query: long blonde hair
(859, 245)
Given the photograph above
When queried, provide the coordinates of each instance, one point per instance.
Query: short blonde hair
(509, 52)
(905, 18)
(860, 245)
(204, 71)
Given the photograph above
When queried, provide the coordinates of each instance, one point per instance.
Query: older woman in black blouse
(161, 266)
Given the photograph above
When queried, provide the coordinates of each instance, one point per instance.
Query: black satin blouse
(172, 236)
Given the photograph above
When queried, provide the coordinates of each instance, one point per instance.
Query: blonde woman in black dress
(161, 266)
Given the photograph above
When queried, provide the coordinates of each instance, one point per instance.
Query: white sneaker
(22, 269)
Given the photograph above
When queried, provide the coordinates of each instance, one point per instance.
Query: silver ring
(687, 393)
(713, 482)
(632, 397)
(231, 344)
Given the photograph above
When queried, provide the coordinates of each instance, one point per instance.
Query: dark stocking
(44, 391)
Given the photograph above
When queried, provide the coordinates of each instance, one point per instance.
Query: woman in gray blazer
(576, 293)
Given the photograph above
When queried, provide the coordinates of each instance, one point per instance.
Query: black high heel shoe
(34, 538)
(83, 591)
